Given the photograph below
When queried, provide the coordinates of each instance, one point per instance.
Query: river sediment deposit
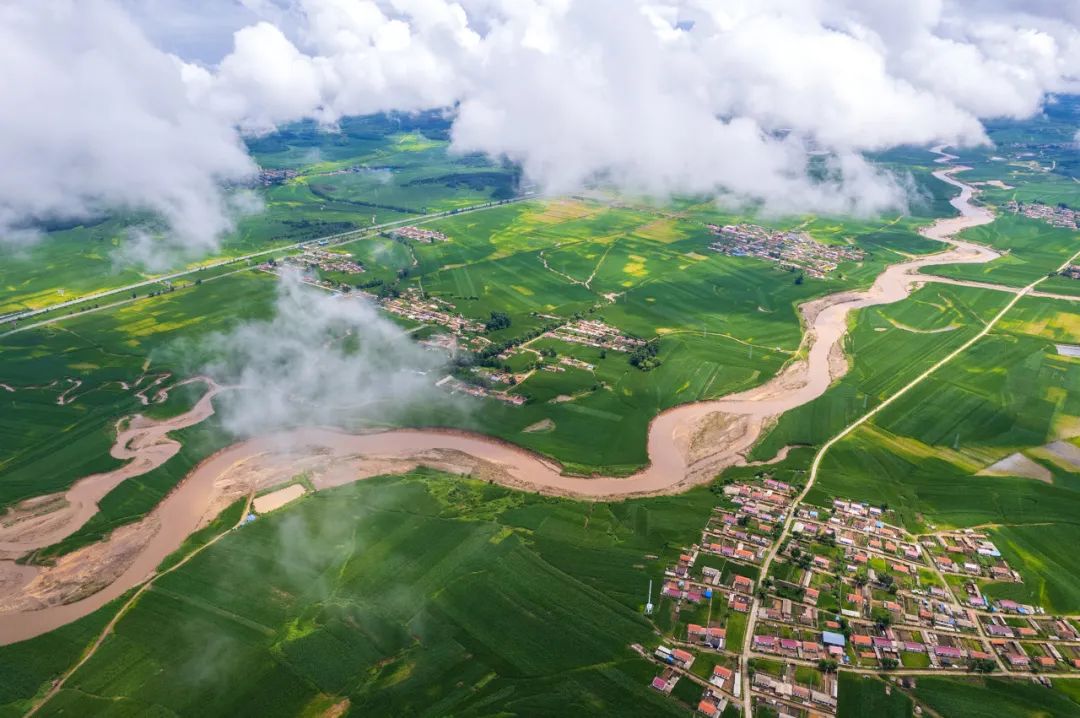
(687, 445)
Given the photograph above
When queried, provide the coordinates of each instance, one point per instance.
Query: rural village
(791, 249)
(844, 589)
(1057, 215)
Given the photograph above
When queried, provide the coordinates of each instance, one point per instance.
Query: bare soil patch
(1018, 465)
(275, 500)
(541, 426)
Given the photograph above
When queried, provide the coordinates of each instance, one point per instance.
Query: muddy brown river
(679, 447)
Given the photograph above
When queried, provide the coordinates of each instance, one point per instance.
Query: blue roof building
(831, 638)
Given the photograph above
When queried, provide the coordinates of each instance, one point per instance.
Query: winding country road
(674, 464)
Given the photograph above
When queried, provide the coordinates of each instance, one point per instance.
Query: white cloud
(658, 96)
(575, 90)
(94, 118)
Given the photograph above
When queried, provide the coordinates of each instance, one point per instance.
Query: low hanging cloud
(666, 97)
(655, 96)
(94, 119)
(321, 359)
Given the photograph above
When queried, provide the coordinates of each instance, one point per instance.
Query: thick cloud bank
(94, 118)
(726, 96)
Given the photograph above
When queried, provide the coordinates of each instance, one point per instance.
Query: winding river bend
(687, 444)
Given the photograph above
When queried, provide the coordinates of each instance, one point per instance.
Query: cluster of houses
(855, 588)
(968, 553)
(1071, 272)
(849, 589)
(1048, 645)
(576, 363)
(428, 310)
(419, 234)
(454, 343)
(272, 266)
(268, 177)
(595, 333)
(683, 584)
(745, 529)
(315, 258)
(786, 696)
(1057, 215)
(495, 376)
(709, 590)
(791, 249)
(718, 691)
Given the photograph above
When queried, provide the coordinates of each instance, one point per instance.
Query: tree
(827, 665)
(498, 320)
(883, 621)
(644, 357)
(889, 663)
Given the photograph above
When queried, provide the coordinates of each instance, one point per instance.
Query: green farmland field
(379, 167)
(45, 446)
(991, 697)
(397, 595)
(1031, 249)
(862, 695)
(722, 323)
(428, 594)
(888, 345)
(1046, 557)
(1010, 393)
